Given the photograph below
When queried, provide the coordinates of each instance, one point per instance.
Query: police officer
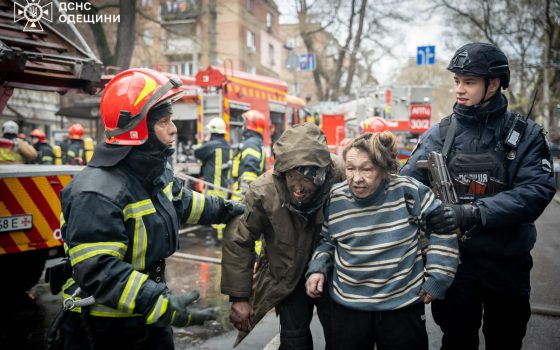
(73, 150)
(215, 155)
(249, 162)
(14, 150)
(45, 154)
(502, 173)
(121, 216)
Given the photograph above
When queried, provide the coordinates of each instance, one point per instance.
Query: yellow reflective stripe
(251, 152)
(149, 86)
(235, 168)
(263, 158)
(86, 251)
(218, 167)
(62, 221)
(138, 209)
(249, 176)
(159, 309)
(139, 245)
(167, 191)
(127, 301)
(197, 207)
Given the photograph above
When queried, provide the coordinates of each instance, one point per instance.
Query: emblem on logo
(33, 13)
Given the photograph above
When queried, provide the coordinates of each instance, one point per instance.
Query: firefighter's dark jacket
(116, 227)
(215, 156)
(507, 217)
(45, 154)
(250, 159)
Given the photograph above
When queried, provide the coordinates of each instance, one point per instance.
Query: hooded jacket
(290, 234)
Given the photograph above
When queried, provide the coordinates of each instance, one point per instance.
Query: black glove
(449, 217)
(233, 208)
(178, 315)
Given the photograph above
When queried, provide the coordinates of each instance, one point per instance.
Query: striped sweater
(370, 252)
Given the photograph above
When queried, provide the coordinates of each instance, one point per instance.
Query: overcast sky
(428, 31)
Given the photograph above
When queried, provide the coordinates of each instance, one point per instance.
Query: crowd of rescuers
(342, 234)
(15, 149)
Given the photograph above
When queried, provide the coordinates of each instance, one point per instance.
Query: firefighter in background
(215, 156)
(120, 220)
(12, 149)
(45, 154)
(73, 151)
(249, 162)
(373, 124)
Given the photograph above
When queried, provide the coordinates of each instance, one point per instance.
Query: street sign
(426, 55)
(307, 62)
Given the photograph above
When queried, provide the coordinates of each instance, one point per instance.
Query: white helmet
(10, 127)
(216, 126)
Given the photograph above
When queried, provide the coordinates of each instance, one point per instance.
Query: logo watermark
(33, 13)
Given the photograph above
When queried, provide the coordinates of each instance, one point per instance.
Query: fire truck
(227, 93)
(49, 61)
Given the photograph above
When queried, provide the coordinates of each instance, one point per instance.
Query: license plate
(16, 223)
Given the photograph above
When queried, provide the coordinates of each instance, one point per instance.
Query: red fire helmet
(373, 124)
(38, 133)
(128, 97)
(254, 120)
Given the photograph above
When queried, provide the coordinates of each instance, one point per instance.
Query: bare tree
(343, 35)
(120, 53)
(526, 30)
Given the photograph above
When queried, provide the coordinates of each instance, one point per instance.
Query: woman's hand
(314, 284)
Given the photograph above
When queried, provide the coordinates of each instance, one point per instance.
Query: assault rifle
(442, 183)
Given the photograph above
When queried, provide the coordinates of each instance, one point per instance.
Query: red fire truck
(48, 61)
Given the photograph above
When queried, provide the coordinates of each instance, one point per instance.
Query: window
(251, 42)
(250, 5)
(146, 3)
(251, 69)
(269, 22)
(294, 42)
(271, 55)
(148, 37)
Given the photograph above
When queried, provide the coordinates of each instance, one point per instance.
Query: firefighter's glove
(232, 209)
(449, 217)
(178, 315)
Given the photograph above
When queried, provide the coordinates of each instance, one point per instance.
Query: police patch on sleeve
(546, 166)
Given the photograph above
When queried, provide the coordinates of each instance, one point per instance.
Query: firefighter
(14, 150)
(373, 124)
(120, 220)
(73, 150)
(45, 154)
(502, 173)
(215, 155)
(249, 162)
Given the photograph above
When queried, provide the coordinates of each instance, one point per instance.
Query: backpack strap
(447, 128)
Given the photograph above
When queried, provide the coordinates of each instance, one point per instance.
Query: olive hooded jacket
(290, 233)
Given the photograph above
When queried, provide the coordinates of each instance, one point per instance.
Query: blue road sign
(307, 62)
(426, 55)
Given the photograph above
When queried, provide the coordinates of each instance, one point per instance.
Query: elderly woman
(370, 256)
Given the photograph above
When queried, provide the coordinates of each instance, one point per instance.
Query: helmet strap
(484, 99)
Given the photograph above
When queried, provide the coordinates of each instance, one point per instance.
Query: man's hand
(427, 297)
(449, 217)
(242, 315)
(314, 284)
